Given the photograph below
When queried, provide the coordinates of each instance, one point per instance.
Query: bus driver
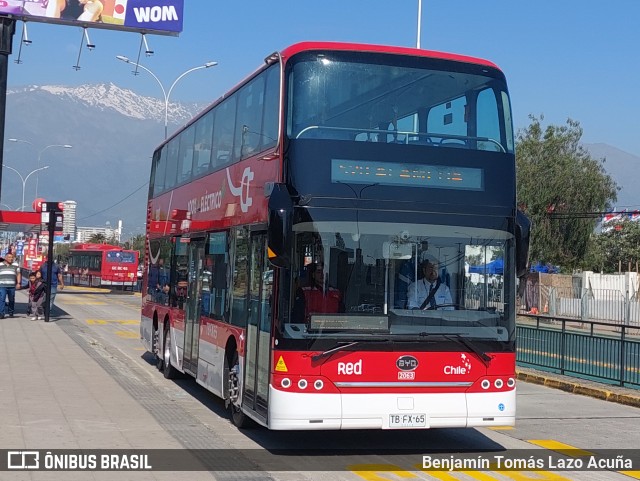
(428, 292)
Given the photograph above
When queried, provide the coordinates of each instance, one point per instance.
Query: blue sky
(563, 59)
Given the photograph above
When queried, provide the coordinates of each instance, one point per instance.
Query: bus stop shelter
(17, 221)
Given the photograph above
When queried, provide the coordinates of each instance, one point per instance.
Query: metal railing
(610, 306)
(593, 350)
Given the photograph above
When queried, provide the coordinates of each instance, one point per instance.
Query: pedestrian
(56, 281)
(10, 280)
(37, 295)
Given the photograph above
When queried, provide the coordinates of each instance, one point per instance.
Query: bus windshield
(368, 97)
(372, 279)
(121, 257)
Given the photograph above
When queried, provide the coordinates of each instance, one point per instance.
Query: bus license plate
(407, 420)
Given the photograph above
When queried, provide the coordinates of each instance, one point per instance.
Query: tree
(61, 252)
(97, 239)
(616, 248)
(560, 186)
(136, 243)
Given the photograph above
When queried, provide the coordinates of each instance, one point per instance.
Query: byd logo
(349, 368)
(407, 363)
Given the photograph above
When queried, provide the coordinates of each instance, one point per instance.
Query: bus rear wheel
(240, 419)
(168, 370)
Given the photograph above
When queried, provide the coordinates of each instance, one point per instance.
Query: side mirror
(523, 234)
(280, 224)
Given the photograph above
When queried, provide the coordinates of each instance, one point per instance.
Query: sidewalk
(53, 395)
(584, 387)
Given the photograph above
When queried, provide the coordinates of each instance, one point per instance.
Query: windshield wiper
(324, 354)
(341, 347)
(484, 357)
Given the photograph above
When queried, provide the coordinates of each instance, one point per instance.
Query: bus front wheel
(239, 419)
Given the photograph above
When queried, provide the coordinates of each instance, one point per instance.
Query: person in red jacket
(317, 299)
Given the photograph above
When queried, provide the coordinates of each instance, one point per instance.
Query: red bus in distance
(102, 265)
(292, 227)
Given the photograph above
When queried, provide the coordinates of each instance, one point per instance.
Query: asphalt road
(106, 326)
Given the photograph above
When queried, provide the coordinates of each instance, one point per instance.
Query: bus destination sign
(406, 174)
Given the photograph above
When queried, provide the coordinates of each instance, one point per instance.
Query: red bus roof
(96, 247)
(361, 47)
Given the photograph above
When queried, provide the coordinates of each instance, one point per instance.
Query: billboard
(162, 17)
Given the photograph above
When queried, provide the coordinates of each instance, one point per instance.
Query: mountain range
(113, 132)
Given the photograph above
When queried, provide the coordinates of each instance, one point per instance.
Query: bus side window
(185, 155)
(249, 118)
(223, 128)
(202, 150)
(240, 281)
(217, 262)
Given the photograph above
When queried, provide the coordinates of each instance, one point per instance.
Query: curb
(582, 389)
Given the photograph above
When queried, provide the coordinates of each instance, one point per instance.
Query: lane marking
(631, 474)
(373, 472)
(501, 428)
(83, 303)
(129, 322)
(127, 334)
(561, 448)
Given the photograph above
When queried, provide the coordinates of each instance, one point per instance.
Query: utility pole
(7, 29)
(51, 212)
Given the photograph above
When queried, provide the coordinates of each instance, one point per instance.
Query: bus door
(257, 364)
(192, 306)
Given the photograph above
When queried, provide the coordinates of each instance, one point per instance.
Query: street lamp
(40, 152)
(166, 93)
(419, 23)
(24, 180)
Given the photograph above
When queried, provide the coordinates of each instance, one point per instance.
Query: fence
(610, 306)
(590, 349)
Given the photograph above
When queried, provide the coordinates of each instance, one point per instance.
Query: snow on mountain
(123, 101)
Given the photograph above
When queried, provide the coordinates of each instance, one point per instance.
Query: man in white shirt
(428, 292)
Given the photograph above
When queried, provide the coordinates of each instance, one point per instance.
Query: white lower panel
(308, 411)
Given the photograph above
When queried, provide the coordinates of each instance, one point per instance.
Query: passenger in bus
(157, 279)
(163, 296)
(317, 299)
(428, 292)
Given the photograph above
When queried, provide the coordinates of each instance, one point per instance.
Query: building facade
(69, 219)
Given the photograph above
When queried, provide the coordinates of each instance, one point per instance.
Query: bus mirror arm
(523, 234)
(279, 230)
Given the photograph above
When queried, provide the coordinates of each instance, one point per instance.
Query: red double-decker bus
(293, 225)
(103, 265)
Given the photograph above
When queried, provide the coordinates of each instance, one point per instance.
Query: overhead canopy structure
(492, 268)
(16, 221)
